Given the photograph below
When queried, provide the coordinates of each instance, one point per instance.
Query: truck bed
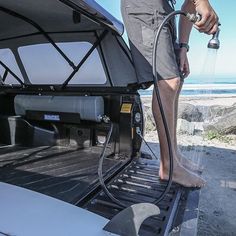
(139, 182)
(70, 174)
(65, 173)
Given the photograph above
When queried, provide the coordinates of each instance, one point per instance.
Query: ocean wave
(229, 91)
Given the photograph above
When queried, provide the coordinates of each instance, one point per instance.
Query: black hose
(157, 92)
(168, 138)
(100, 174)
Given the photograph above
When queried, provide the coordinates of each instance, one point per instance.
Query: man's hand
(183, 62)
(209, 21)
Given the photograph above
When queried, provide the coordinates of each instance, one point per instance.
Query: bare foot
(182, 176)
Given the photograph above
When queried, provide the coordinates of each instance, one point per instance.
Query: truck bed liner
(70, 174)
(64, 173)
(139, 182)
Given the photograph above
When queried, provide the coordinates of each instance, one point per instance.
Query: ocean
(204, 87)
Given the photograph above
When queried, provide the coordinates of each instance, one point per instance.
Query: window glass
(44, 65)
(8, 58)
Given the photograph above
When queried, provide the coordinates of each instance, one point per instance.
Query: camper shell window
(44, 65)
(41, 39)
(8, 64)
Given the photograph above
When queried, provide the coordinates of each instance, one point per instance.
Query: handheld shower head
(214, 43)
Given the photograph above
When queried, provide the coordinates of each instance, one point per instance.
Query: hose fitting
(193, 17)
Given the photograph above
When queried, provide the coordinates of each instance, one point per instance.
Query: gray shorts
(142, 19)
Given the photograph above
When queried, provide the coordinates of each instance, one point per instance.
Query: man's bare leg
(185, 161)
(168, 92)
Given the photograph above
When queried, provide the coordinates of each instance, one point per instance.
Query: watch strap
(184, 45)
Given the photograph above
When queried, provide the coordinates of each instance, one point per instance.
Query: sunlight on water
(193, 148)
(208, 72)
(209, 65)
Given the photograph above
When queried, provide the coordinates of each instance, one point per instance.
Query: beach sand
(206, 100)
(218, 157)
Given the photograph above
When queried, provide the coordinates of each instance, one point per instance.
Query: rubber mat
(64, 173)
(139, 182)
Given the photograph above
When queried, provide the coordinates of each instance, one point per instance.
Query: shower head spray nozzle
(214, 43)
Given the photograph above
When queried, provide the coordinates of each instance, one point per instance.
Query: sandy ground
(218, 199)
(201, 100)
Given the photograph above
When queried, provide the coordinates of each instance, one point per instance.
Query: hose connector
(193, 17)
(105, 119)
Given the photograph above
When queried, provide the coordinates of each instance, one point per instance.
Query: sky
(225, 65)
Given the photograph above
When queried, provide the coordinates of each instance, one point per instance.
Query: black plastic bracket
(129, 221)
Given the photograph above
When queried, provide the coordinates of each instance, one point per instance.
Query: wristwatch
(184, 45)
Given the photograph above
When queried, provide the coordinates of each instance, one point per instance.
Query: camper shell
(65, 73)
